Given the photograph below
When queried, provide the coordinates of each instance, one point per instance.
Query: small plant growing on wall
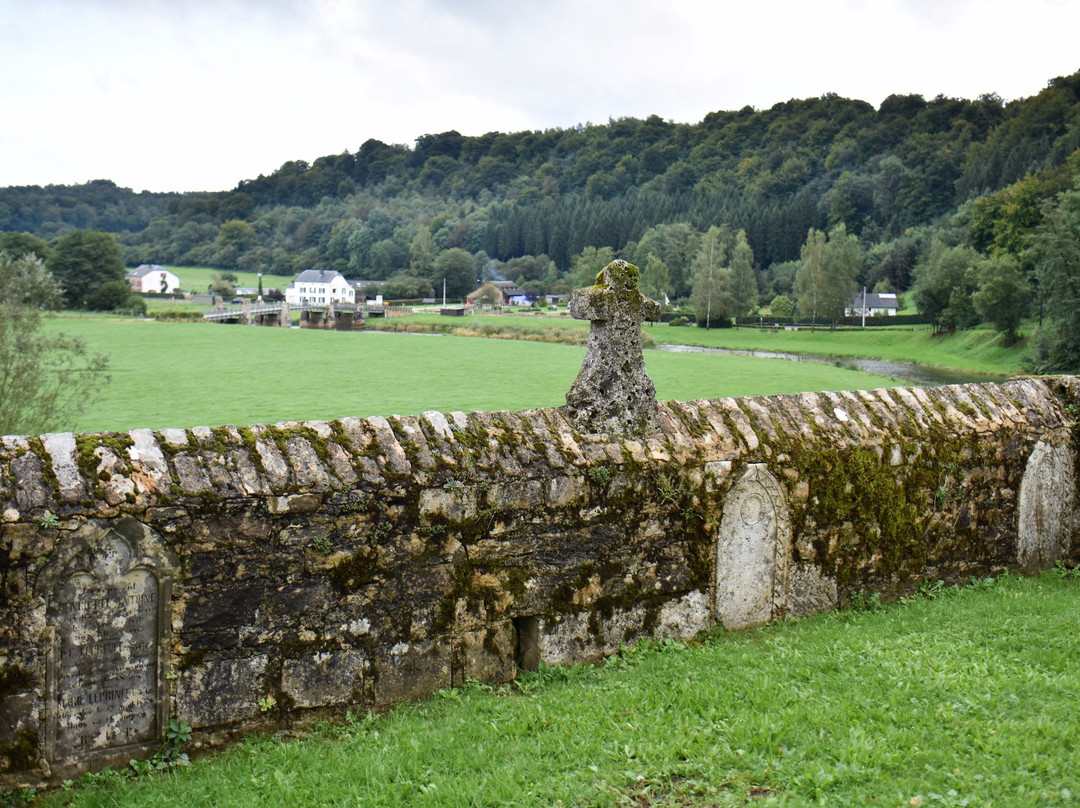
(601, 475)
(171, 754)
(665, 487)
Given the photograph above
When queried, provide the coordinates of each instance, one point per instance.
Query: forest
(970, 206)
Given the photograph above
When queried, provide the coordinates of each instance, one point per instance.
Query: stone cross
(612, 392)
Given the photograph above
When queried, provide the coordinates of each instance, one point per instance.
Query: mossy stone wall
(323, 566)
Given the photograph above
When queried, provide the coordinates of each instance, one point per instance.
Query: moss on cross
(613, 392)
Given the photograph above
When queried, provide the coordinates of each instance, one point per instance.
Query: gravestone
(107, 595)
(752, 550)
(1045, 507)
(613, 392)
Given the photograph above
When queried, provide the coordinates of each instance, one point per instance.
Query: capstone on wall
(252, 577)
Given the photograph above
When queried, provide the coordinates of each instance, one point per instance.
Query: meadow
(977, 350)
(957, 697)
(166, 374)
(197, 279)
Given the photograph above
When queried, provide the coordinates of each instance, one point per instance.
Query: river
(921, 375)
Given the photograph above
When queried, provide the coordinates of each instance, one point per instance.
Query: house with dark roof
(872, 304)
(319, 287)
(152, 278)
(509, 293)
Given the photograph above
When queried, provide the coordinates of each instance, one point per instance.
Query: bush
(716, 322)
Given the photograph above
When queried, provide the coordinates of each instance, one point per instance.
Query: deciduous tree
(588, 264)
(422, 253)
(782, 307)
(1056, 249)
(944, 283)
(825, 279)
(1003, 296)
(16, 244)
(810, 276)
(843, 258)
(45, 378)
(406, 287)
(455, 267)
(655, 280)
(709, 295)
(83, 260)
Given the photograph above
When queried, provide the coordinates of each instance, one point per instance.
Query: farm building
(509, 294)
(152, 278)
(317, 286)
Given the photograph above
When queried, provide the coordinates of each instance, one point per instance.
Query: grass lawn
(197, 279)
(976, 350)
(968, 698)
(198, 374)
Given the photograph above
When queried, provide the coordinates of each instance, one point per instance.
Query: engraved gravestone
(752, 551)
(1045, 507)
(107, 601)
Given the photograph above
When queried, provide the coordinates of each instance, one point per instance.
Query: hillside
(911, 180)
(775, 173)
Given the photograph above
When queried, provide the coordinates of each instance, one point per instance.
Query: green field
(961, 697)
(197, 279)
(977, 350)
(191, 374)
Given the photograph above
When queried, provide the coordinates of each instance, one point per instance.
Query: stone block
(810, 592)
(454, 504)
(412, 670)
(221, 691)
(325, 678)
(61, 448)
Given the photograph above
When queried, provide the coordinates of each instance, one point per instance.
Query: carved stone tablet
(106, 606)
(752, 551)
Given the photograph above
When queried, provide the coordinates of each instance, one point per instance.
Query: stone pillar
(285, 318)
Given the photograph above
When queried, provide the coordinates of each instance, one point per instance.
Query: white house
(870, 304)
(318, 287)
(152, 278)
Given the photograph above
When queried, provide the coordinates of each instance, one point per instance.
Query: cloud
(199, 95)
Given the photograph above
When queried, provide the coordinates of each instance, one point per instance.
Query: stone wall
(254, 577)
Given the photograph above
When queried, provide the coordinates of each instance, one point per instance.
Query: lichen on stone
(613, 392)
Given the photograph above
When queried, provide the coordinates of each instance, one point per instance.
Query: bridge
(312, 315)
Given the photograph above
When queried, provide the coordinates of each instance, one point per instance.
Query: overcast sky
(196, 95)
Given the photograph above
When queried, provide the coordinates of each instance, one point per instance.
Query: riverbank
(914, 354)
(976, 351)
(908, 372)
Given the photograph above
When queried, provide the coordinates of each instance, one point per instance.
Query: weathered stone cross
(612, 392)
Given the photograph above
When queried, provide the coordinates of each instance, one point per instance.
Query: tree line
(952, 201)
